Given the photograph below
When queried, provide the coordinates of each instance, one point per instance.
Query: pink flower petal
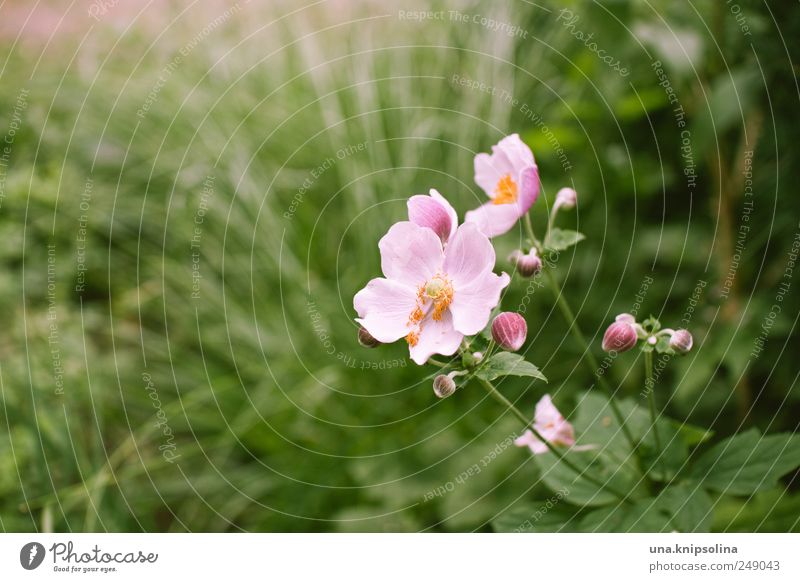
(528, 439)
(529, 188)
(410, 254)
(494, 219)
(436, 337)
(469, 255)
(551, 424)
(473, 304)
(514, 150)
(433, 212)
(383, 308)
(489, 170)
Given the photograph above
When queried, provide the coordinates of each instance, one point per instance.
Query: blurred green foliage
(221, 308)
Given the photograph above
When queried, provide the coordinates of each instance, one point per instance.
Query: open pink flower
(430, 295)
(551, 425)
(434, 212)
(510, 177)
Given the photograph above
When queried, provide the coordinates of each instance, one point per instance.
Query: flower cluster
(439, 291)
(438, 283)
(625, 333)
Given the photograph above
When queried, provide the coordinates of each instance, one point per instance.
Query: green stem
(651, 398)
(566, 311)
(533, 240)
(497, 395)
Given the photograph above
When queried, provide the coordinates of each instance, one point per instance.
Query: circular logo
(31, 555)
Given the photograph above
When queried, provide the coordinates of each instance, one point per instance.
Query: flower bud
(515, 256)
(530, 264)
(509, 330)
(366, 339)
(443, 386)
(625, 318)
(681, 341)
(566, 198)
(619, 337)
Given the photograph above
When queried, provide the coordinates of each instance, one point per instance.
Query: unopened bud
(514, 256)
(509, 330)
(619, 337)
(566, 198)
(625, 318)
(365, 339)
(681, 341)
(443, 386)
(530, 264)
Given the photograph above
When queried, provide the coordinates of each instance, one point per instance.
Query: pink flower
(433, 212)
(510, 177)
(551, 425)
(430, 295)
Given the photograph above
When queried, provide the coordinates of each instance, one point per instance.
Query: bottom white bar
(389, 557)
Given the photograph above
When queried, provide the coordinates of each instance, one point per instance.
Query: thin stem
(590, 358)
(651, 398)
(436, 363)
(494, 392)
(529, 228)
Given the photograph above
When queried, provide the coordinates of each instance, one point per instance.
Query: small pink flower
(509, 330)
(619, 337)
(433, 212)
(510, 177)
(430, 295)
(551, 425)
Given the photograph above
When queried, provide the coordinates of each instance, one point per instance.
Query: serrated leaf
(690, 507)
(581, 491)
(769, 511)
(746, 463)
(677, 508)
(508, 364)
(560, 239)
(547, 515)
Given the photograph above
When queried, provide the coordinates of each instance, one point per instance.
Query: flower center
(506, 191)
(433, 297)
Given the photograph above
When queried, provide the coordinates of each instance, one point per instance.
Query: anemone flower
(510, 178)
(431, 294)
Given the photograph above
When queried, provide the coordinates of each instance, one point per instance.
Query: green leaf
(690, 507)
(693, 435)
(508, 364)
(560, 239)
(674, 450)
(769, 511)
(548, 515)
(579, 490)
(747, 462)
(677, 508)
(642, 516)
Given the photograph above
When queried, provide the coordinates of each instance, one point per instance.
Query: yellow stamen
(506, 191)
(412, 338)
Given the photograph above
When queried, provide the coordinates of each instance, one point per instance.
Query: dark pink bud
(366, 339)
(619, 337)
(443, 386)
(530, 264)
(509, 330)
(681, 341)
